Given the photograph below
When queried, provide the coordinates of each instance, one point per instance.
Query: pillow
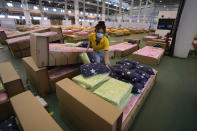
(74, 44)
(148, 70)
(132, 41)
(137, 87)
(157, 45)
(91, 82)
(91, 69)
(85, 58)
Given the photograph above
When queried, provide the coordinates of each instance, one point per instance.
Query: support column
(139, 11)
(103, 10)
(41, 10)
(145, 10)
(186, 29)
(84, 9)
(76, 7)
(26, 12)
(131, 11)
(65, 10)
(108, 12)
(120, 12)
(97, 10)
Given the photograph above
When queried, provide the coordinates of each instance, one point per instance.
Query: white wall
(186, 29)
(166, 14)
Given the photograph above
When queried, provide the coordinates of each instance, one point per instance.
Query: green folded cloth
(85, 58)
(91, 82)
(114, 91)
(73, 44)
(95, 87)
(125, 102)
(2, 89)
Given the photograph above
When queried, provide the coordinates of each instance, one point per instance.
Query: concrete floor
(171, 105)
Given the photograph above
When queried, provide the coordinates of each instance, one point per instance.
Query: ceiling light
(35, 7)
(160, 1)
(2, 16)
(54, 10)
(10, 4)
(69, 11)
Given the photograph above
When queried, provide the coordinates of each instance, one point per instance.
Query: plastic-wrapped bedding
(122, 46)
(150, 37)
(64, 48)
(49, 33)
(150, 52)
(115, 91)
(73, 44)
(91, 82)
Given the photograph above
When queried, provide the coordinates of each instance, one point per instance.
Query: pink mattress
(195, 42)
(7, 32)
(76, 30)
(63, 48)
(18, 39)
(61, 71)
(122, 47)
(81, 33)
(150, 52)
(49, 33)
(3, 96)
(67, 31)
(150, 37)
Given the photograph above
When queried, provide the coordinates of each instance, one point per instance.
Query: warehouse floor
(171, 105)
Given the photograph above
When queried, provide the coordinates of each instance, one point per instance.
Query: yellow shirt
(103, 45)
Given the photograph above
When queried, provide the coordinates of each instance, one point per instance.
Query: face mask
(100, 35)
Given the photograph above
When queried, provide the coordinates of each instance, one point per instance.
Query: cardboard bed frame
(22, 48)
(146, 59)
(88, 111)
(76, 38)
(126, 52)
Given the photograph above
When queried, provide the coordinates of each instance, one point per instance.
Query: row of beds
(119, 50)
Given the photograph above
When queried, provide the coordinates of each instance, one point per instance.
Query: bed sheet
(122, 47)
(18, 39)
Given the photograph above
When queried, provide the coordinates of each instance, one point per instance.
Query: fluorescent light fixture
(91, 14)
(2, 16)
(45, 18)
(21, 6)
(95, 14)
(62, 10)
(160, 1)
(10, 4)
(23, 17)
(99, 15)
(37, 18)
(86, 13)
(54, 10)
(35, 8)
(45, 8)
(81, 13)
(69, 11)
(13, 17)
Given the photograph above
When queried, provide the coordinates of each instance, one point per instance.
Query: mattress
(150, 52)
(18, 39)
(195, 42)
(48, 34)
(150, 37)
(61, 71)
(76, 30)
(91, 82)
(81, 33)
(122, 46)
(3, 97)
(67, 31)
(64, 48)
(114, 91)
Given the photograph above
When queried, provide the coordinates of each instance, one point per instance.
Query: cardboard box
(38, 77)
(126, 52)
(84, 109)
(151, 43)
(39, 48)
(31, 114)
(3, 37)
(11, 80)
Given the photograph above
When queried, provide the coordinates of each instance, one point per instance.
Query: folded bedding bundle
(92, 82)
(73, 44)
(115, 92)
(132, 72)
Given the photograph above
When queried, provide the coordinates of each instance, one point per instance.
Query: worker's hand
(108, 67)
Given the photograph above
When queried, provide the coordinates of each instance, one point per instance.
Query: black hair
(100, 25)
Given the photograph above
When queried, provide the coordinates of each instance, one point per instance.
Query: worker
(100, 44)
